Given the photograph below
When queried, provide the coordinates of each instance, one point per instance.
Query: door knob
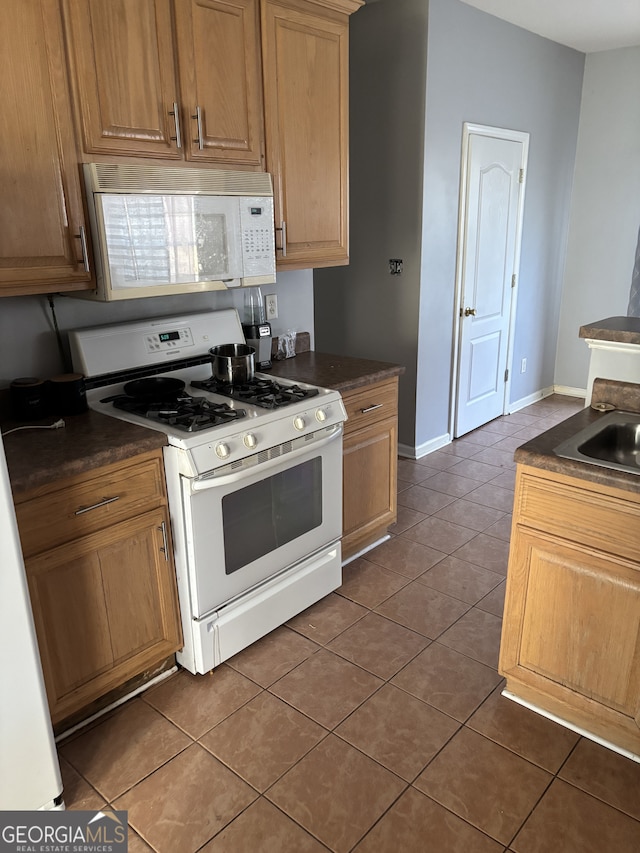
(470, 312)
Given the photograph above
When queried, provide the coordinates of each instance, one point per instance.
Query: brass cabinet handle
(371, 408)
(176, 117)
(103, 502)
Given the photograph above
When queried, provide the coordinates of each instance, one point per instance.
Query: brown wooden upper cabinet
(42, 227)
(306, 84)
(170, 80)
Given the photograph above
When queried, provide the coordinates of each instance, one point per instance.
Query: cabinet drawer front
(370, 405)
(595, 516)
(89, 506)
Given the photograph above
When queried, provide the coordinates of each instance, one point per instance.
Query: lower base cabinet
(571, 629)
(104, 598)
(370, 451)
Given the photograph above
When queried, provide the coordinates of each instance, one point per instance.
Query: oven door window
(263, 516)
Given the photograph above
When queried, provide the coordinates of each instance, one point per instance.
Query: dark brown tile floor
(374, 721)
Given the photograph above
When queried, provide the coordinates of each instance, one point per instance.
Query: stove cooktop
(182, 411)
(265, 393)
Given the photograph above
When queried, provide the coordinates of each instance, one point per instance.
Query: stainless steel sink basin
(613, 441)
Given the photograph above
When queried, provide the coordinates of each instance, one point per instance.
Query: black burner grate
(265, 393)
(184, 412)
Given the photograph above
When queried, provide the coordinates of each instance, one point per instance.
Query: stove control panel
(168, 340)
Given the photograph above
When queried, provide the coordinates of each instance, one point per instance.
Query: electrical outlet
(523, 365)
(271, 306)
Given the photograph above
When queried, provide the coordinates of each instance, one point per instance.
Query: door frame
(469, 128)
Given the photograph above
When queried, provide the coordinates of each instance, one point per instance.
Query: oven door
(246, 526)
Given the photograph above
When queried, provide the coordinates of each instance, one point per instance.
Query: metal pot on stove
(233, 364)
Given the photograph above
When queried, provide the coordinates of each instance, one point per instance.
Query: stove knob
(222, 450)
(321, 415)
(250, 440)
(299, 423)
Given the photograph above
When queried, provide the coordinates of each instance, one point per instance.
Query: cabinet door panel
(41, 211)
(581, 622)
(305, 59)
(219, 62)
(571, 634)
(105, 609)
(124, 72)
(369, 474)
(136, 617)
(71, 622)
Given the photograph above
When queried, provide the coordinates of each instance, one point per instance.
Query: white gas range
(254, 484)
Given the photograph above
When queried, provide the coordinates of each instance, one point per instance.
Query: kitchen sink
(613, 441)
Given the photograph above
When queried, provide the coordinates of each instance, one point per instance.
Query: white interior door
(492, 197)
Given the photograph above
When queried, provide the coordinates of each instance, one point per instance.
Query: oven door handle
(199, 484)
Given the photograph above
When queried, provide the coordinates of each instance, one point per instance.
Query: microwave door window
(168, 239)
(216, 223)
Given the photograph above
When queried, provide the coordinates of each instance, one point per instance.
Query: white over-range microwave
(161, 231)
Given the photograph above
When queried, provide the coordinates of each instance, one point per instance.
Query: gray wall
(361, 309)
(605, 209)
(28, 343)
(478, 69)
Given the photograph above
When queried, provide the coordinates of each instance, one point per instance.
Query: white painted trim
(577, 729)
(430, 446)
(613, 346)
(569, 391)
(523, 402)
(513, 136)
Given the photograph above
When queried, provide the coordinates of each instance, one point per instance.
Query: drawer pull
(371, 408)
(165, 548)
(103, 502)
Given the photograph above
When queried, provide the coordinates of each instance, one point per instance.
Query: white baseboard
(523, 402)
(568, 391)
(409, 452)
(424, 449)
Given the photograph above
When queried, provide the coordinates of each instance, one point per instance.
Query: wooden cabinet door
(305, 71)
(369, 484)
(41, 212)
(220, 83)
(105, 609)
(123, 67)
(571, 633)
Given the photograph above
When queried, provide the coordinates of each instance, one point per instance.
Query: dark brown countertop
(339, 372)
(539, 451)
(38, 457)
(622, 330)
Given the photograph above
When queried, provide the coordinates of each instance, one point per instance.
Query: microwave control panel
(258, 243)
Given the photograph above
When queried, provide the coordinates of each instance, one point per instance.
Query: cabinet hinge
(513, 280)
(506, 374)
(521, 177)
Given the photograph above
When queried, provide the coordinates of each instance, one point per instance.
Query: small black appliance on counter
(257, 332)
